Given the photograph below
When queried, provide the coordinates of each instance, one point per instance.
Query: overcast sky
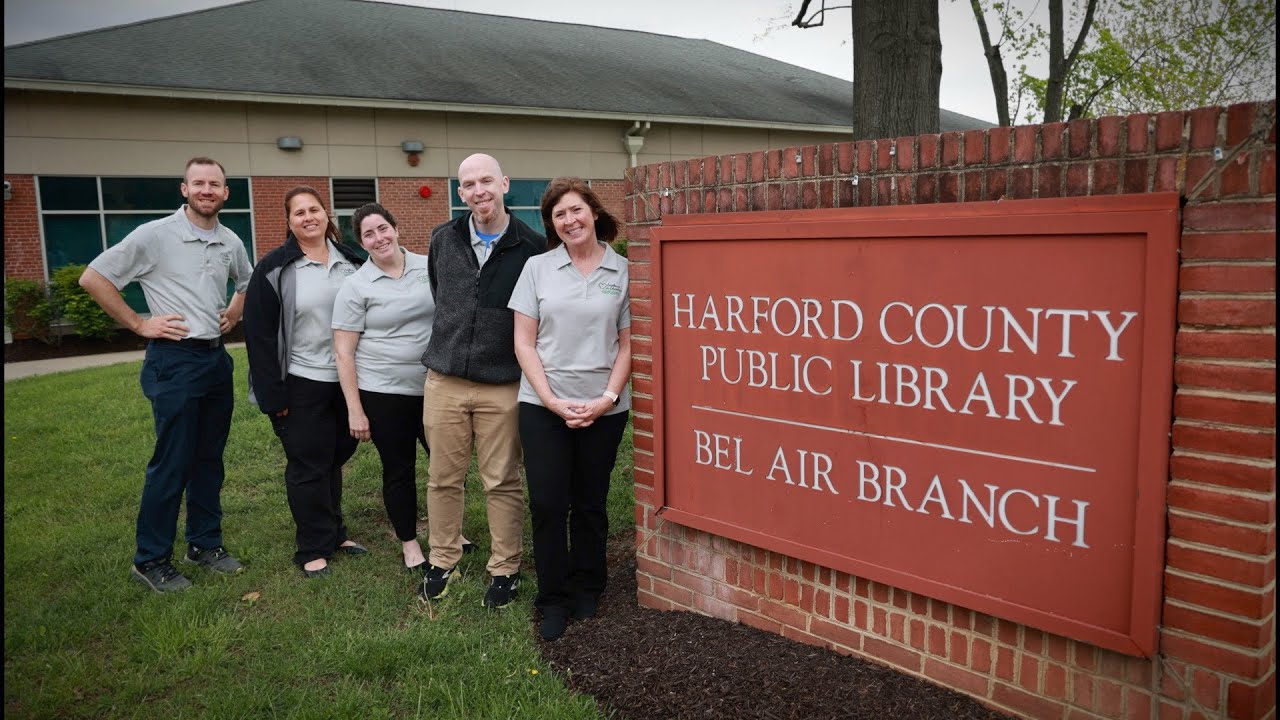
(758, 26)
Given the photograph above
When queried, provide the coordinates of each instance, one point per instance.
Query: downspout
(633, 139)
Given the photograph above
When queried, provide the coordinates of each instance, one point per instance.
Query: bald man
(473, 379)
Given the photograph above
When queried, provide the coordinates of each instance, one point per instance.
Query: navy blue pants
(192, 396)
(568, 471)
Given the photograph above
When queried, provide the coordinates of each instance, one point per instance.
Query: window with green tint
(119, 226)
(74, 224)
(135, 299)
(522, 194)
(529, 216)
(68, 193)
(239, 199)
(349, 236)
(242, 225)
(122, 193)
(71, 239)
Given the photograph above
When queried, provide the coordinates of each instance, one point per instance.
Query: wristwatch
(613, 397)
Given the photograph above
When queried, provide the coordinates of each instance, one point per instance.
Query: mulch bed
(74, 346)
(642, 664)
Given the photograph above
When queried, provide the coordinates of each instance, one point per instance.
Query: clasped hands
(580, 414)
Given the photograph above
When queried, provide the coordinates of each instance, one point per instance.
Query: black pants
(317, 442)
(568, 472)
(395, 424)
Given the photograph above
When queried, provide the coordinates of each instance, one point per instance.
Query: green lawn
(83, 640)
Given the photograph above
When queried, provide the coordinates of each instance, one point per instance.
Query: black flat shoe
(468, 547)
(552, 626)
(585, 606)
(312, 574)
(354, 548)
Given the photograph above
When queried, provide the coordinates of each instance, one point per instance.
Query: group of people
(499, 341)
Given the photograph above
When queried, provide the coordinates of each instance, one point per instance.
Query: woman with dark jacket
(293, 375)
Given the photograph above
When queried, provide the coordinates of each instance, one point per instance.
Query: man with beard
(473, 379)
(183, 263)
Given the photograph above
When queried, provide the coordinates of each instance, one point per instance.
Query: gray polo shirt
(578, 323)
(394, 315)
(311, 347)
(180, 272)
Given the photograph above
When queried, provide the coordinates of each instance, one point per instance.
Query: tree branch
(995, 64)
(802, 22)
(1084, 31)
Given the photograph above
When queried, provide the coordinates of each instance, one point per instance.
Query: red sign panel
(967, 401)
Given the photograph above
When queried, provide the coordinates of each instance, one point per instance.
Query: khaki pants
(454, 411)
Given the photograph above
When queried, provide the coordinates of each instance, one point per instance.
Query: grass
(82, 640)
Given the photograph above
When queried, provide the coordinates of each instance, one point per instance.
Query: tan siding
(47, 133)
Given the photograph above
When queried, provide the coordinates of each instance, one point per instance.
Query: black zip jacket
(473, 334)
(268, 322)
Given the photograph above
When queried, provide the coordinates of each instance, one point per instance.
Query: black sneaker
(160, 575)
(436, 583)
(502, 590)
(216, 559)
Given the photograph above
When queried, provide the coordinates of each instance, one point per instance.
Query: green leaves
(1142, 56)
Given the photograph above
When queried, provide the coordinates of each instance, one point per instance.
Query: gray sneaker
(160, 575)
(216, 559)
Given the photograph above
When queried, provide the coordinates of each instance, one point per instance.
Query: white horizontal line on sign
(890, 438)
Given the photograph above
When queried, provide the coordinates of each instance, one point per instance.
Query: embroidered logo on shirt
(609, 288)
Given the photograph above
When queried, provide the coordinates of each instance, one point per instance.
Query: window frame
(102, 214)
(456, 204)
(348, 212)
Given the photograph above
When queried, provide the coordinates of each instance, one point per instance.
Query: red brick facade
(1217, 635)
(22, 255)
(613, 195)
(269, 226)
(415, 215)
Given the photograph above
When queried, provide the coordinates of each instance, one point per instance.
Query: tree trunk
(1057, 75)
(995, 64)
(897, 68)
(1060, 62)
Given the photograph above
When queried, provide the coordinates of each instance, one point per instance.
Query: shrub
(620, 246)
(78, 307)
(28, 309)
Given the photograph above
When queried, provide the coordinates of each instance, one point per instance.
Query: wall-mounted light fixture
(289, 142)
(414, 149)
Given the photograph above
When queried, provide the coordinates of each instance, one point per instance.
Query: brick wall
(269, 225)
(1217, 636)
(613, 195)
(415, 216)
(22, 256)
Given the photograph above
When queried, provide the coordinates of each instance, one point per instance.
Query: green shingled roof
(381, 51)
